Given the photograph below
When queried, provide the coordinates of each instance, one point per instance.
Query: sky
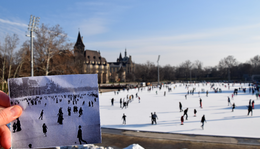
(176, 30)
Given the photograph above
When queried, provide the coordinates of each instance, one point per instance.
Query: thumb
(9, 114)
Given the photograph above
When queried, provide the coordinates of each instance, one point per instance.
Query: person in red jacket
(182, 120)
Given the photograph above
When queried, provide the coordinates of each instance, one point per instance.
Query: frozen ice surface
(220, 121)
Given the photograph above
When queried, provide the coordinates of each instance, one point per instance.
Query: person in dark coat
(124, 118)
(203, 119)
(44, 129)
(18, 124)
(195, 112)
(69, 111)
(14, 127)
(229, 103)
(233, 107)
(180, 106)
(79, 136)
(112, 101)
(200, 103)
(186, 113)
(41, 115)
(80, 111)
(121, 102)
(154, 117)
(250, 109)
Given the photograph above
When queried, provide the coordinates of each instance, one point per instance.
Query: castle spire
(120, 56)
(79, 40)
(125, 53)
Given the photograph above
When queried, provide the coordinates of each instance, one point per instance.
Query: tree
(197, 67)
(48, 43)
(227, 63)
(22, 60)
(7, 49)
(187, 65)
(12, 42)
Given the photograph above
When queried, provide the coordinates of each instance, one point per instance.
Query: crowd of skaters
(191, 89)
(74, 101)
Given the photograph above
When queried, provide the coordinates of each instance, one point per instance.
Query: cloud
(208, 46)
(13, 23)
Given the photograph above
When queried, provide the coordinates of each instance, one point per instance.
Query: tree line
(228, 69)
(53, 55)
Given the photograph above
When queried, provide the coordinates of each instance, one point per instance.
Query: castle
(91, 62)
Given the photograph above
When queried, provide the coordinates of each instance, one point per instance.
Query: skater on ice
(79, 136)
(44, 129)
(41, 115)
(186, 113)
(182, 120)
(124, 118)
(203, 120)
(180, 106)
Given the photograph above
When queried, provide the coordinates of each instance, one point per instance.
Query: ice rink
(220, 120)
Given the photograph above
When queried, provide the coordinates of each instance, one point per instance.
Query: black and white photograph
(60, 110)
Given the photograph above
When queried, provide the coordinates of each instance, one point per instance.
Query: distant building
(121, 68)
(91, 61)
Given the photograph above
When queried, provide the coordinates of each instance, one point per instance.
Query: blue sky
(178, 30)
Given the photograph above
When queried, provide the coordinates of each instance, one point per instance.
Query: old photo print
(59, 110)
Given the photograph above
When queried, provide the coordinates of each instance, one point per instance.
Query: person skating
(250, 109)
(253, 104)
(180, 106)
(44, 129)
(186, 113)
(18, 124)
(200, 103)
(69, 111)
(229, 103)
(182, 120)
(154, 117)
(41, 115)
(124, 118)
(80, 111)
(203, 119)
(14, 127)
(79, 136)
(121, 102)
(112, 101)
(233, 107)
(195, 112)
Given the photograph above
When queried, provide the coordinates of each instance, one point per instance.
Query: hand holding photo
(59, 110)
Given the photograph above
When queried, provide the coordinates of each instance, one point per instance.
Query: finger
(9, 114)
(5, 139)
(4, 99)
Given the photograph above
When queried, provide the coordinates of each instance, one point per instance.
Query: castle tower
(79, 47)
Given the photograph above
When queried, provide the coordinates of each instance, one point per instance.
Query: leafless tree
(7, 48)
(48, 43)
(227, 63)
(197, 67)
(12, 42)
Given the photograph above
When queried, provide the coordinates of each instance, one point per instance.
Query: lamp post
(34, 22)
(158, 69)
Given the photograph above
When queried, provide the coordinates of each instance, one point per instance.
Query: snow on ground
(220, 120)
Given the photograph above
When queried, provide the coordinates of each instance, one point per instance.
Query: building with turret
(120, 69)
(91, 61)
